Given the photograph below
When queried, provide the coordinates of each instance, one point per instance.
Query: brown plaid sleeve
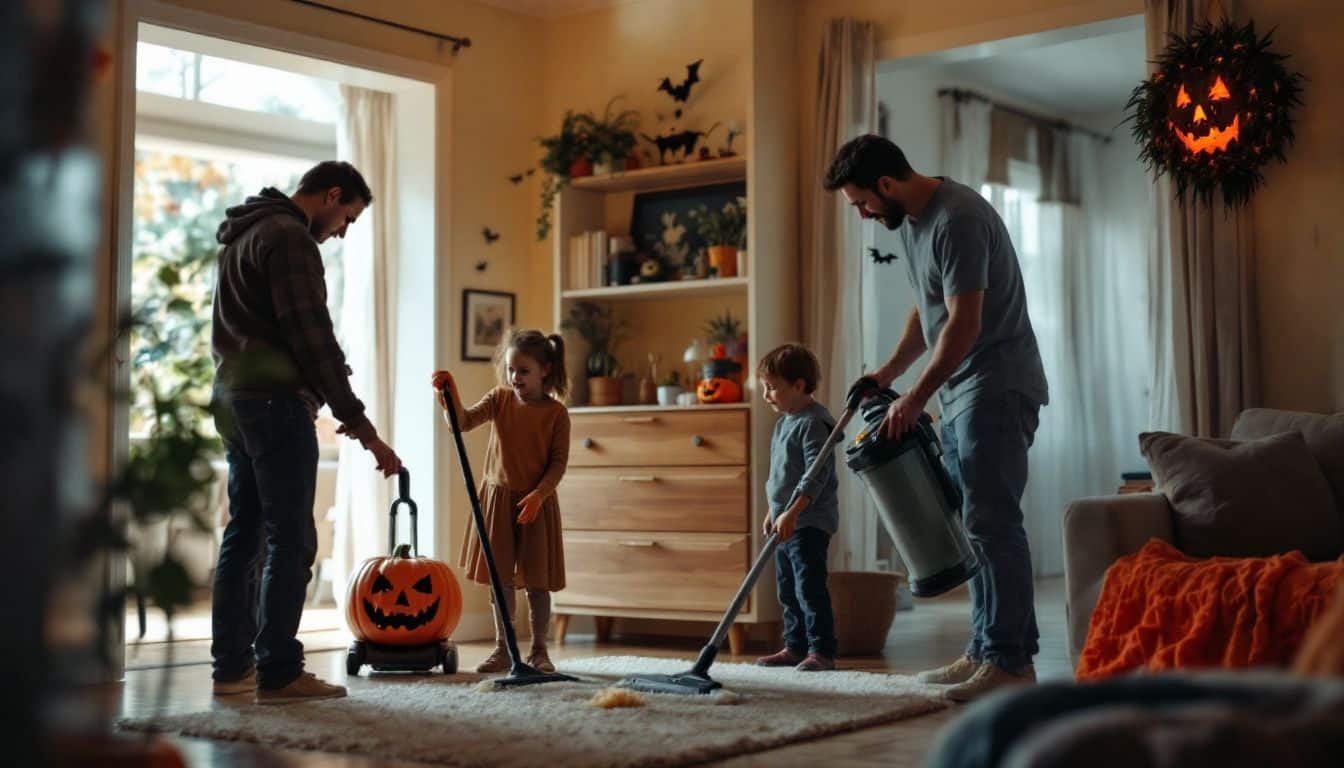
(299, 296)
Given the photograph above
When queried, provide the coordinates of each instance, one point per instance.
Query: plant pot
(667, 394)
(631, 162)
(721, 368)
(604, 390)
(687, 398)
(603, 166)
(723, 259)
(864, 604)
(580, 168)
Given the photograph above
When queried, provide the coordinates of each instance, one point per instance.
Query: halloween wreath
(1218, 108)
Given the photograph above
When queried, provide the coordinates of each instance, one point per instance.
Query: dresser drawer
(665, 439)
(659, 571)
(704, 499)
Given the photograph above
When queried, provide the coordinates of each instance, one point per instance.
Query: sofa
(1098, 531)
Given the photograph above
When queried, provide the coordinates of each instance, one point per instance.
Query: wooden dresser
(657, 514)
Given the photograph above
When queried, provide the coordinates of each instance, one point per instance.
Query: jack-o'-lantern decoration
(403, 600)
(1218, 108)
(718, 390)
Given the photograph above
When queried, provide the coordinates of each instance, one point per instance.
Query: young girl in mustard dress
(524, 461)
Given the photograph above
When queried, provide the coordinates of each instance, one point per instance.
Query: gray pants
(985, 451)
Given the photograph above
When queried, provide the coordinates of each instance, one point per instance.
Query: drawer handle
(641, 544)
(712, 478)
(640, 419)
(588, 442)
(697, 441)
(637, 479)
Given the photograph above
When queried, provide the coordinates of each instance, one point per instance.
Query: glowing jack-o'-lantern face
(719, 390)
(403, 600)
(1206, 115)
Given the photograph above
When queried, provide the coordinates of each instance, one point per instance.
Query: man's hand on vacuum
(388, 461)
(903, 414)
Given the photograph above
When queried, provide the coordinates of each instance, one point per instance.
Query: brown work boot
(306, 688)
(245, 684)
(958, 671)
(497, 661)
(784, 658)
(539, 660)
(988, 679)
(815, 662)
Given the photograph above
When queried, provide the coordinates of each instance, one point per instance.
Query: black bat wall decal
(480, 266)
(881, 258)
(683, 91)
(517, 178)
(490, 235)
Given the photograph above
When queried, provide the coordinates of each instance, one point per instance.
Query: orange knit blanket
(1160, 609)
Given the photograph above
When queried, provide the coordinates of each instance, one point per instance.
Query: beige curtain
(366, 138)
(846, 107)
(1202, 315)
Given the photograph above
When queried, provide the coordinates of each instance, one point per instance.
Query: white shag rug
(447, 720)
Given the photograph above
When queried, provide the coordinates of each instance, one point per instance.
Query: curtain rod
(458, 42)
(961, 93)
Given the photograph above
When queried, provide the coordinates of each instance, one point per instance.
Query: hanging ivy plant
(1218, 108)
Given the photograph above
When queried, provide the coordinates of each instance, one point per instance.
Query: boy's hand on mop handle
(530, 506)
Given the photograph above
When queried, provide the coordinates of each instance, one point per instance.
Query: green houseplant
(612, 139)
(723, 231)
(566, 155)
(596, 325)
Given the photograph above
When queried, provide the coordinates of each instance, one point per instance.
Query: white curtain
(846, 108)
(1202, 318)
(366, 138)
(1083, 270)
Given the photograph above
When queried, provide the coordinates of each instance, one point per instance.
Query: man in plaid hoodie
(276, 363)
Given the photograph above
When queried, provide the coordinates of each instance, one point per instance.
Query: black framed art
(486, 317)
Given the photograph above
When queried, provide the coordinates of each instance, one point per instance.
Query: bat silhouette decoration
(490, 235)
(682, 92)
(881, 258)
(517, 178)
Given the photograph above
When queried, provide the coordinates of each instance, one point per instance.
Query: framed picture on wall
(486, 316)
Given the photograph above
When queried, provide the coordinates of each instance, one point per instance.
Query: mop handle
(772, 541)
(497, 588)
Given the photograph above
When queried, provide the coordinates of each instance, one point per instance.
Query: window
(197, 77)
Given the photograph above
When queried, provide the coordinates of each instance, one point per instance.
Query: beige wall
(1299, 236)
(486, 124)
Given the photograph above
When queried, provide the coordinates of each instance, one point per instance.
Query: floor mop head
(688, 683)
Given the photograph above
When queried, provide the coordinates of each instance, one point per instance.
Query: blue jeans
(985, 450)
(800, 575)
(267, 552)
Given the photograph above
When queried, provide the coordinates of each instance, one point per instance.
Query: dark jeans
(1223, 719)
(800, 574)
(266, 555)
(985, 450)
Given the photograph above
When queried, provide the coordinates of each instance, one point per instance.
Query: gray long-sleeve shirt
(795, 444)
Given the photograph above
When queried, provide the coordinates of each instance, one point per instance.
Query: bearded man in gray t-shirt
(971, 313)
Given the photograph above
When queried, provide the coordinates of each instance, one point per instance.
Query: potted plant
(723, 332)
(723, 231)
(612, 139)
(669, 388)
(567, 156)
(595, 324)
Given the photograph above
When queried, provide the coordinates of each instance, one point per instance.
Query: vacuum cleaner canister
(916, 499)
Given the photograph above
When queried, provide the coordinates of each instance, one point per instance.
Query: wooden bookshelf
(692, 174)
(725, 286)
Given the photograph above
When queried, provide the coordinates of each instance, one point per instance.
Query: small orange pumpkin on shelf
(403, 600)
(719, 390)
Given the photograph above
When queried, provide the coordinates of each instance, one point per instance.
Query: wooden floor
(176, 678)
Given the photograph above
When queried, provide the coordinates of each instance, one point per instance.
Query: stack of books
(586, 266)
(1136, 482)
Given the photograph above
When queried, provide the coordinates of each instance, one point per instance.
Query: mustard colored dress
(528, 450)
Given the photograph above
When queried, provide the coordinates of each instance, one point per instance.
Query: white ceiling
(1089, 76)
(551, 8)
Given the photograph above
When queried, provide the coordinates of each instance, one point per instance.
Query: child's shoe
(784, 658)
(815, 662)
(497, 661)
(539, 660)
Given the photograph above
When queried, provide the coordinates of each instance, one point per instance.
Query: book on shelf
(586, 265)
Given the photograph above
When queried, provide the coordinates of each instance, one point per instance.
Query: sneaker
(784, 658)
(987, 679)
(958, 671)
(815, 662)
(539, 660)
(497, 661)
(306, 688)
(245, 684)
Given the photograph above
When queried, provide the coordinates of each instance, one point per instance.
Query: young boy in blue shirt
(788, 376)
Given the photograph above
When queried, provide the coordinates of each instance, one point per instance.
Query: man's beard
(893, 213)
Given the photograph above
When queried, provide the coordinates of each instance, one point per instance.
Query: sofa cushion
(1324, 434)
(1245, 498)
